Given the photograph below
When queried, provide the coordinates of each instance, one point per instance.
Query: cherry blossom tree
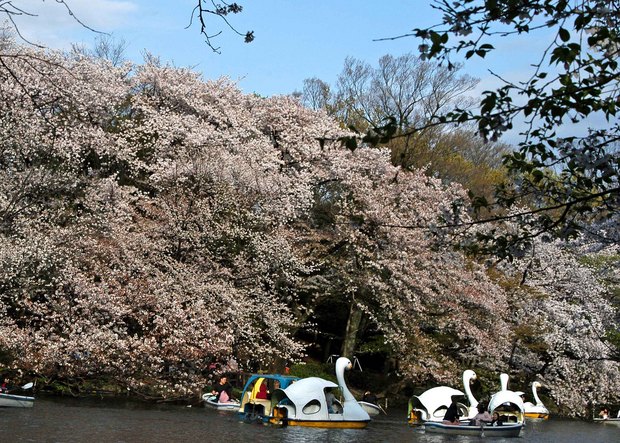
(564, 317)
(153, 224)
(141, 242)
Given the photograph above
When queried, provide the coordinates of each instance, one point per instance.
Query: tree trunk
(350, 336)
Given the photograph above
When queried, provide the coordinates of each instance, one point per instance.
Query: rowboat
(611, 421)
(16, 401)
(211, 401)
(506, 430)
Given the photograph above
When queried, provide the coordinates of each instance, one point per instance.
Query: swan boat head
(468, 377)
(503, 381)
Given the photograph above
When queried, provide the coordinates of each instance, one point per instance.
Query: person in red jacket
(262, 393)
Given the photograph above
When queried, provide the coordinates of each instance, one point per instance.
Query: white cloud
(56, 24)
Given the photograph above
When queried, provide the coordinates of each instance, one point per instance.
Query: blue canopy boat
(253, 408)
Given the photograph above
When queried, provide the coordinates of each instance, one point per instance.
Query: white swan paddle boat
(508, 404)
(304, 403)
(432, 404)
(536, 410)
(8, 400)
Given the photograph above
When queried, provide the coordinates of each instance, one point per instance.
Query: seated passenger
(498, 420)
(482, 416)
(369, 397)
(452, 413)
(223, 390)
(262, 393)
(330, 398)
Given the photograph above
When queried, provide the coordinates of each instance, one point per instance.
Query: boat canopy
(506, 397)
(257, 386)
(258, 379)
(434, 399)
(304, 390)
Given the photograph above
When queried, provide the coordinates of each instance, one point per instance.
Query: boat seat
(245, 399)
(266, 404)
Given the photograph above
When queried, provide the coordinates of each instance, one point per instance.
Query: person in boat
(482, 416)
(330, 398)
(369, 397)
(498, 420)
(5, 386)
(452, 413)
(604, 414)
(276, 385)
(263, 392)
(223, 390)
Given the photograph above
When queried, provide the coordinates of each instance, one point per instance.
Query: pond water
(92, 421)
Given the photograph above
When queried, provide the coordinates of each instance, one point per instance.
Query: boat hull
(16, 401)
(540, 415)
(488, 431)
(611, 421)
(210, 401)
(328, 424)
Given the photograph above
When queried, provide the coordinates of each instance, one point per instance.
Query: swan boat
(16, 401)
(304, 403)
(507, 403)
(432, 404)
(537, 410)
(255, 409)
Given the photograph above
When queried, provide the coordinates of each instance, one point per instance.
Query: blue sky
(295, 39)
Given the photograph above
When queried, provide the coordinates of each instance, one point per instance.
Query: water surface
(93, 421)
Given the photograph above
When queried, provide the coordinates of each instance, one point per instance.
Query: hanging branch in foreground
(222, 10)
(10, 11)
(574, 82)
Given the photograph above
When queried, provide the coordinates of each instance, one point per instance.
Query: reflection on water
(93, 421)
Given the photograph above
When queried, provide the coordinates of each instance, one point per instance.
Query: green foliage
(314, 369)
(377, 135)
(567, 182)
